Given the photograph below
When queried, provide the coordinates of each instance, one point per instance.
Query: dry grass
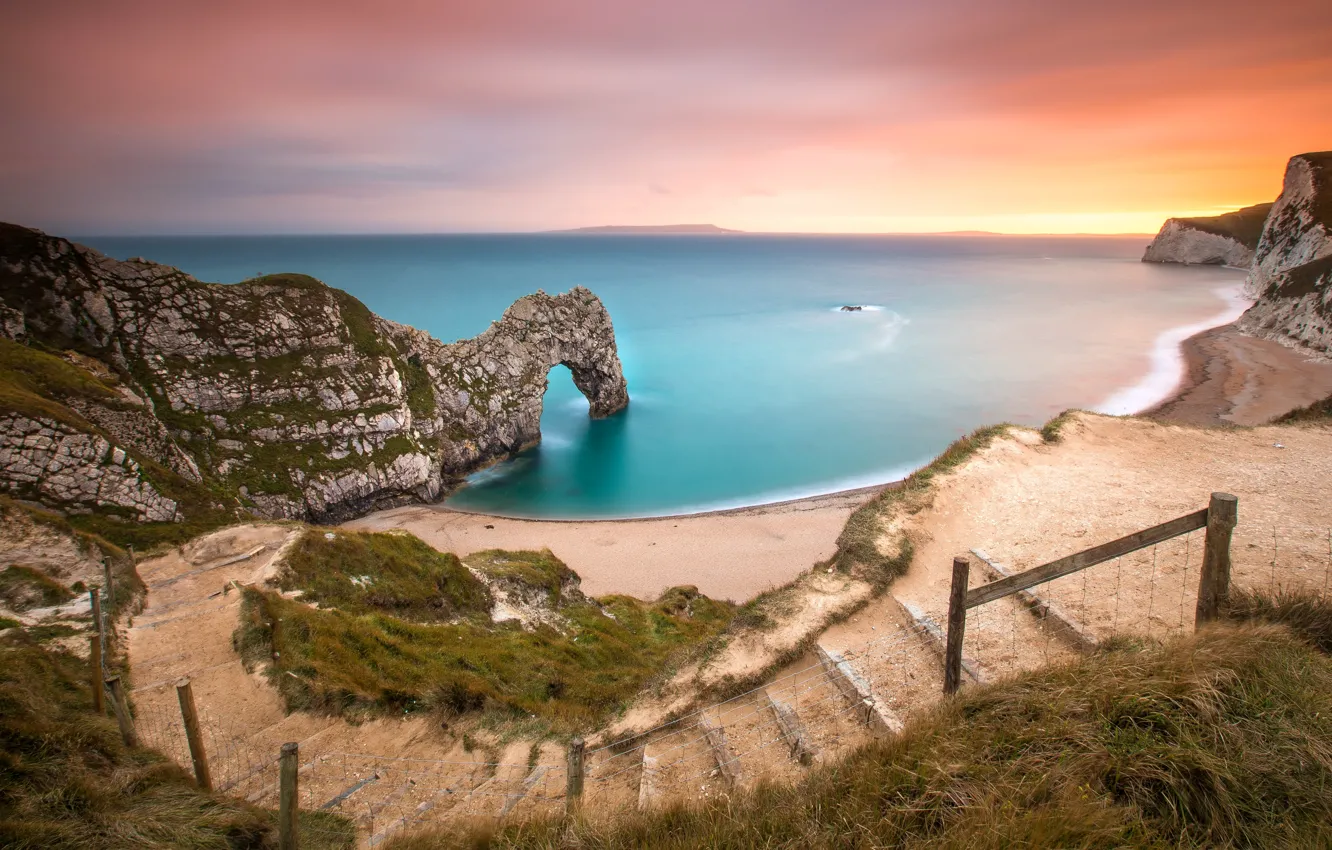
(67, 781)
(1223, 739)
(364, 657)
(858, 544)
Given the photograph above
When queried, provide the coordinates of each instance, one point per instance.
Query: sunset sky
(785, 115)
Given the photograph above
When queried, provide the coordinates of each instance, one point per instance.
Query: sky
(295, 116)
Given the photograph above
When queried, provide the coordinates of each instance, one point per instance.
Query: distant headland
(650, 228)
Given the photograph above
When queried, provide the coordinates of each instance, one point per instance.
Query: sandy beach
(1238, 379)
(734, 554)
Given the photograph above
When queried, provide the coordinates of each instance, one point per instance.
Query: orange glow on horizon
(760, 115)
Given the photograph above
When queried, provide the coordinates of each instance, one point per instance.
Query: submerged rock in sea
(852, 308)
(287, 395)
(1291, 276)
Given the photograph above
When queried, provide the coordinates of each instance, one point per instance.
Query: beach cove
(1231, 378)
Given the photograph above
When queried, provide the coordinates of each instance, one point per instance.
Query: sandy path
(727, 555)
(418, 771)
(1239, 379)
(1027, 503)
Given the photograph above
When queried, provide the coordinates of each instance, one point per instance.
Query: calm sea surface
(747, 383)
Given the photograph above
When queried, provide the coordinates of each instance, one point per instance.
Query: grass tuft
(67, 781)
(1221, 739)
(366, 660)
(858, 544)
(387, 573)
(1308, 614)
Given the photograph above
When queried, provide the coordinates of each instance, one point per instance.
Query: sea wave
(1168, 364)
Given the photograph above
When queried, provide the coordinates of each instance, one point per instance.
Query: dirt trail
(1025, 503)
(1022, 501)
(185, 630)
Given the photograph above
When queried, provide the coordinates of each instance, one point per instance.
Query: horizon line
(575, 232)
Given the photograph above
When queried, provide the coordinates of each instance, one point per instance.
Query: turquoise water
(747, 384)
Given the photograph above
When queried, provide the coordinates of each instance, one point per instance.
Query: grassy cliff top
(1244, 225)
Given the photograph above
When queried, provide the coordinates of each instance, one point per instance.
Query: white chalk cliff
(1224, 240)
(131, 387)
(1291, 276)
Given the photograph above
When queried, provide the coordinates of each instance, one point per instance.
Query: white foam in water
(772, 497)
(1168, 362)
(890, 327)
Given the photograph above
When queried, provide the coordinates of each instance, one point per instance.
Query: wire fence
(1151, 593)
(813, 711)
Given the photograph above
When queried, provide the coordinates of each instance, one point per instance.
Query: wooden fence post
(95, 669)
(573, 796)
(198, 755)
(957, 625)
(288, 800)
(1214, 581)
(95, 595)
(109, 587)
(121, 708)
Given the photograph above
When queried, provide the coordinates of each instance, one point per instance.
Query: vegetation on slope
(1319, 411)
(393, 573)
(67, 780)
(858, 544)
(1243, 225)
(34, 383)
(1223, 739)
(386, 646)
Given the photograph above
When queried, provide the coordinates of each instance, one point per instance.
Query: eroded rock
(282, 390)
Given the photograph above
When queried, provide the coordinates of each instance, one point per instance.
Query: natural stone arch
(490, 388)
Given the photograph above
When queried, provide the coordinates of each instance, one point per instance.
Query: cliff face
(280, 393)
(1292, 269)
(1227, 240)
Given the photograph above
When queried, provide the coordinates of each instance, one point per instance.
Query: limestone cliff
(1226, 240)
(132, 386)
(1291, 276)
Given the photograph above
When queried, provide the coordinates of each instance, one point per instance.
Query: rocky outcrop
(1291, 276)
(1224, 240)
(287, 393)
(49, 462)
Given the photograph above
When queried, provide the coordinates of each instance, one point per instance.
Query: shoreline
(1231, 378)
(854, 493)
(1171, 358)
(1226, 378)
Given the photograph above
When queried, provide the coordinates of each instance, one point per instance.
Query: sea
(748, 382)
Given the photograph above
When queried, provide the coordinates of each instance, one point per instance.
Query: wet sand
(1236, 379)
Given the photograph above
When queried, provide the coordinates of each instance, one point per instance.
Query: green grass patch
(386, 573)
(34, 382)
(858, 544)
(538, 570)
(23, 588)
(1223, 739)
(360, 663)
(67, 781)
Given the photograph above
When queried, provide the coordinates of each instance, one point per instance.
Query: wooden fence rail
(1219, 518)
